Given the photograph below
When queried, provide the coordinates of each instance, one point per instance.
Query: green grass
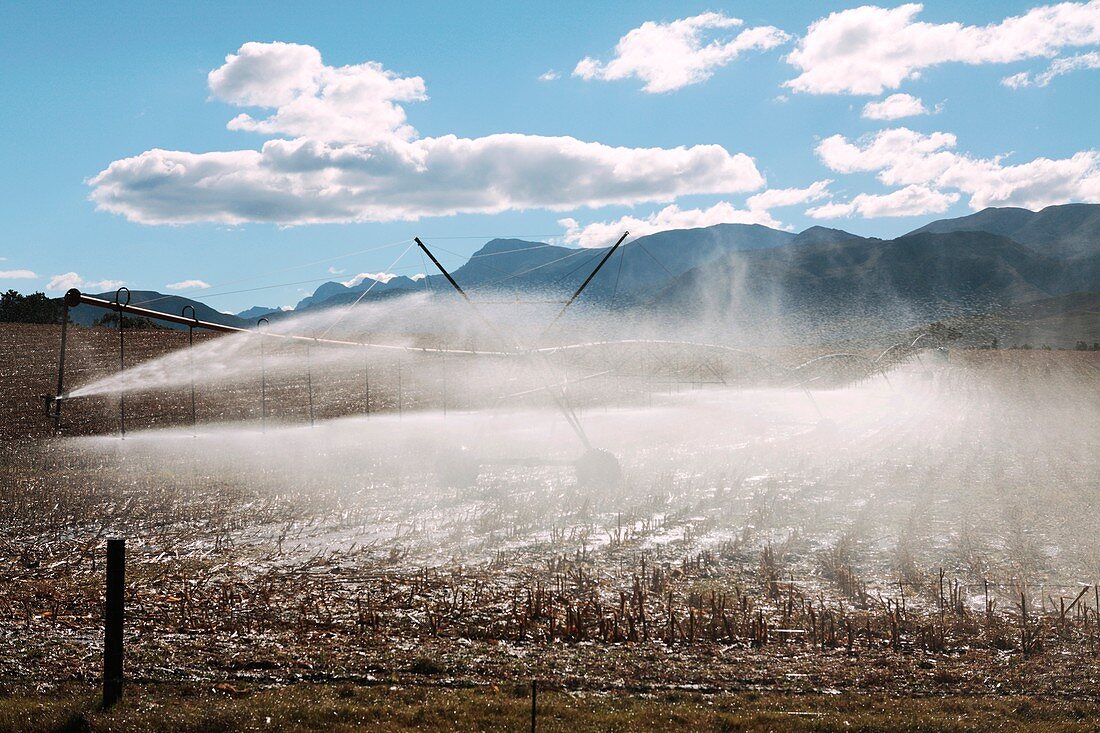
(379, 708)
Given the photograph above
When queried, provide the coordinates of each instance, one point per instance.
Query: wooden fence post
(112, 638)
(534, 703)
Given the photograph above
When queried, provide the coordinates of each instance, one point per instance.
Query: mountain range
(1068, 231)
(741, 277)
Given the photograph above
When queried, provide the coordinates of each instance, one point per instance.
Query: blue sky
(1009, 95)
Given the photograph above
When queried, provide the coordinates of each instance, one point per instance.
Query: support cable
(363, 294)
(510, 276)
(287, 269)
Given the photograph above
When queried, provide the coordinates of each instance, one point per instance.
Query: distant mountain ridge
(1067, 231)
(257, 311)
(517, 265)
(916, 278)
(335, 290)
(738, 271)
(825, 235)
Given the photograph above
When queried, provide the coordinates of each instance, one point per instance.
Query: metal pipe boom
(74, 298)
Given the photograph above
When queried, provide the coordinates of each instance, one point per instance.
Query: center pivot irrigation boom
(594, 467)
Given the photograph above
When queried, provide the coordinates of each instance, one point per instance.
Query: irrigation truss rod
(584, 284)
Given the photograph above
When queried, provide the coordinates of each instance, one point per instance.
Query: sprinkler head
(47, 404)
(50, 402)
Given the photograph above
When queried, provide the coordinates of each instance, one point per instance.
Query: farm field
(928, 534)
(521, 366)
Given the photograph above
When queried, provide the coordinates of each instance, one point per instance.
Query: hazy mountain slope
(1079, 303)
(641, 263)
(645, 264)
(1067, 231)
(823, 235)
(1060, 322)
(508, 262)
(649, 262)
(257, 311)
(338, 292)
(893, 283)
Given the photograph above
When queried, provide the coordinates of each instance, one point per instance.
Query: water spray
(595, 466)
(590, 360)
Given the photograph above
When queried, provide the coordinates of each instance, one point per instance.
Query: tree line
(34, 308)
(38, 308)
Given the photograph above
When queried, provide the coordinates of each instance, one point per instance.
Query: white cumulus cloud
(17, 275)
(65, 281)
(337, 175)
(382, 277)
(1058, 67)
(188, 285)
(909, 201)
(894, 107)
(774, 198)
(869, 49)
(920, 162)
(602, 234)
(670, 56)
(337, 104)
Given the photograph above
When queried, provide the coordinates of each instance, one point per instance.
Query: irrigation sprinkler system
(707, 363)
(587, 361)
(595, 466)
